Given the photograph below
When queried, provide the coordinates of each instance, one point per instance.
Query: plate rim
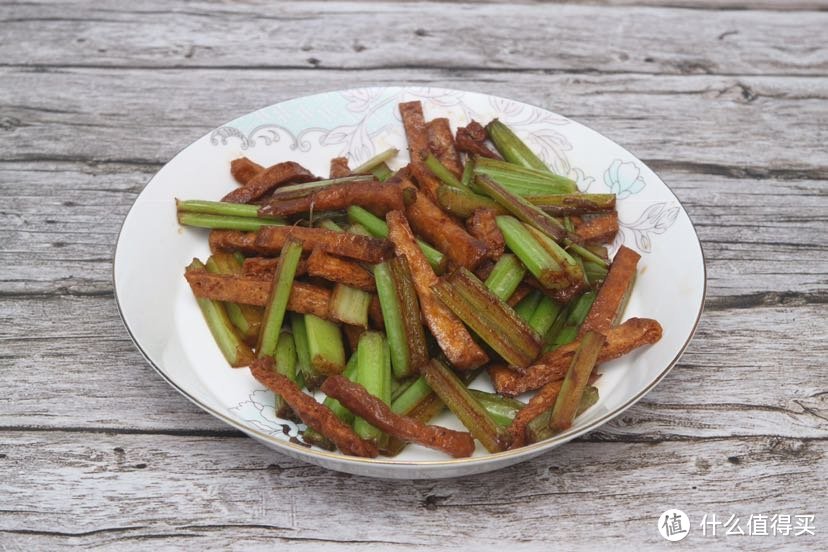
(299, 450)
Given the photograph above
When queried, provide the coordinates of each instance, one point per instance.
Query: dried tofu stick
(315, 415)
(410, 312)
(599, 228)
(312, 436)
(428, 220)
(285, 357)
(377, 197)
(545, 315)
(247, 318)
(502, 409)
(506, 276)
(313, 378)
(371, 375)
(453, 338)
(570, 330)
(219, 208)
(609, 304)
(392, 316)
(224, 222)
(560, 205)
(493, 320)
(456, 443)
(523, 181)
(325, 345)
(468, 410)
(533, 255)
(472, 140)
(231, 344)
(442, 173)
(304, 189)
(376, 161)
(268, 180)
(441, 143)
(626, 337)
(361, 248)
(243, 169)
(572, 390)
(304, 298)
(483, 226)
(418, 148)
(335, 269)
(379, 229)
(339, 167)
(264, 267)
(234, 240)
(512, 148)
(462, 202)
(539, 430)
(528, 305)
(277, 301)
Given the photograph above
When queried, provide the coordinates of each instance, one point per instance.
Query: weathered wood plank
(406, 35)
(118, 491)
(96, 379)
(756, 125)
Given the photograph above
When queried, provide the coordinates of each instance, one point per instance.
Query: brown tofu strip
(334, 269)
(598, 228)
(439, 229)
(472, 140)
(304, 298)
(542, 401)
(339, 167)
(483, 226)
(362, 248)
(315, 415)
(234, 240)
(416, 133)
(355, 398)
(452, 336)
(265, 267)
(268, 180)
(634, 333)
(441, 143)
(377, 197)
(243, 169)
(608, 307)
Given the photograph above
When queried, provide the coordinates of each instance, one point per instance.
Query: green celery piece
(506, 276)
(277, 302)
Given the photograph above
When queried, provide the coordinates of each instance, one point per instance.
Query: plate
(162, 317)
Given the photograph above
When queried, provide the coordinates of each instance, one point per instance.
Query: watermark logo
(674, 525)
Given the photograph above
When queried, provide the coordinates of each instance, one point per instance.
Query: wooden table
(728, 101)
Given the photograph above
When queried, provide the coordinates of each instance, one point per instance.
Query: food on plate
(395, 293)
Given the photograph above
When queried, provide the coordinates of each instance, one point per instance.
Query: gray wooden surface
(728, 101)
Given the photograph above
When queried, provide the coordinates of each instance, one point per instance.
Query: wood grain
(724, 99)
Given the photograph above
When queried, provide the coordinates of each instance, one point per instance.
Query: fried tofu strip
(304, 298)
(355, 398)
(416, 133)
(314, 414)
(362, 248)
(265, 267)
(338, 270)
(377, 197)
(608, 307)
(599, 228)
(235, 240)
(268, 180)
(439, 229)
(483, 226)
(452, 336)
(472, 140)
(542, 401)
(634, 333)
(441, 143)
(243, 169)
(339, 167)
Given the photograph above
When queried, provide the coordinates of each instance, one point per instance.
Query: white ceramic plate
(164, 321)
